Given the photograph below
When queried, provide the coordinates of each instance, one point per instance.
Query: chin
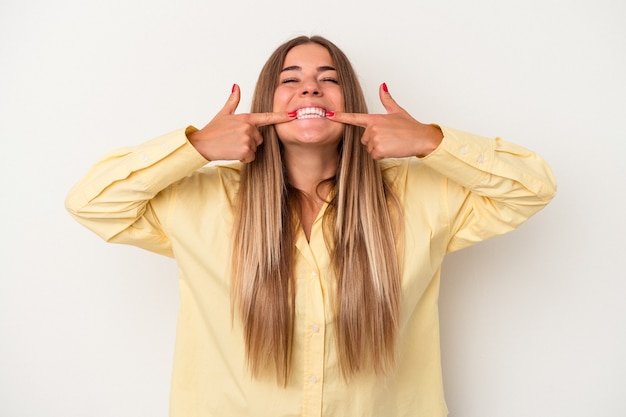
(308, 132)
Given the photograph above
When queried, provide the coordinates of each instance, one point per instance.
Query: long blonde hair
(358, 231)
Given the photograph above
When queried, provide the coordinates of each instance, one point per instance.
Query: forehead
(308, 55)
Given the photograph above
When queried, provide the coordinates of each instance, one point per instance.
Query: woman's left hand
(395, 134)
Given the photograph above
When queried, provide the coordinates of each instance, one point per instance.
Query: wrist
(432, 139)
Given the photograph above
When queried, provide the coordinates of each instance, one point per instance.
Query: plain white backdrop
(533, 323)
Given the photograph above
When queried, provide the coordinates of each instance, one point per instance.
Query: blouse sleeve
(492, 186)
(122, 195)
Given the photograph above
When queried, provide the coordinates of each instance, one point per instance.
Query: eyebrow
(319, 69)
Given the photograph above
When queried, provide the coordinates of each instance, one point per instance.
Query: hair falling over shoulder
(358, 229)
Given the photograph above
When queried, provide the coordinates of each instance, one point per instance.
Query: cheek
(282, 130)
(280, 101)
(339, 129)
(339, 101)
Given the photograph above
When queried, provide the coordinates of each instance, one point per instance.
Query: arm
(492, 185)
(116, 199)
(123, 196)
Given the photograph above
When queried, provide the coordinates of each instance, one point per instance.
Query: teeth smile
(310, 113)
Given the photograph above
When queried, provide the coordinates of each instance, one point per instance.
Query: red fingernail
(330, 113)
(292, 114)
(232, 90)
(385, 89)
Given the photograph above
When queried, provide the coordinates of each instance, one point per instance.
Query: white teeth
(310, 113)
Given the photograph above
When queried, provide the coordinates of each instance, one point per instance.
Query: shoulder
(213, 179)
(400, 171)
(214, 171)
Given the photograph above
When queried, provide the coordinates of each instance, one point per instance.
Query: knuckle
(377, 153)
(241, 128)
(249, 131)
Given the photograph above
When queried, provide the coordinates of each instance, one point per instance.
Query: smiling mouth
(310, 113)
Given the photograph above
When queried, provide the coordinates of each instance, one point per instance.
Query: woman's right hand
(230, 136)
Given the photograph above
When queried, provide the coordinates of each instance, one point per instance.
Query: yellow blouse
(161, 196)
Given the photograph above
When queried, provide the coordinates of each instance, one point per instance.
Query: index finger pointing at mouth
(357, 119)
(269, 118)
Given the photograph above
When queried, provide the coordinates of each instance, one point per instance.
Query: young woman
(309, 270)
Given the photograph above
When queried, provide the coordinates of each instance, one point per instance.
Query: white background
(533, 323)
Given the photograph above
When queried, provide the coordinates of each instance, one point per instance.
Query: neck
(307, 168)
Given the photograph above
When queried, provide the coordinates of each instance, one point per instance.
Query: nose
(311, 88)
(311, 91)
